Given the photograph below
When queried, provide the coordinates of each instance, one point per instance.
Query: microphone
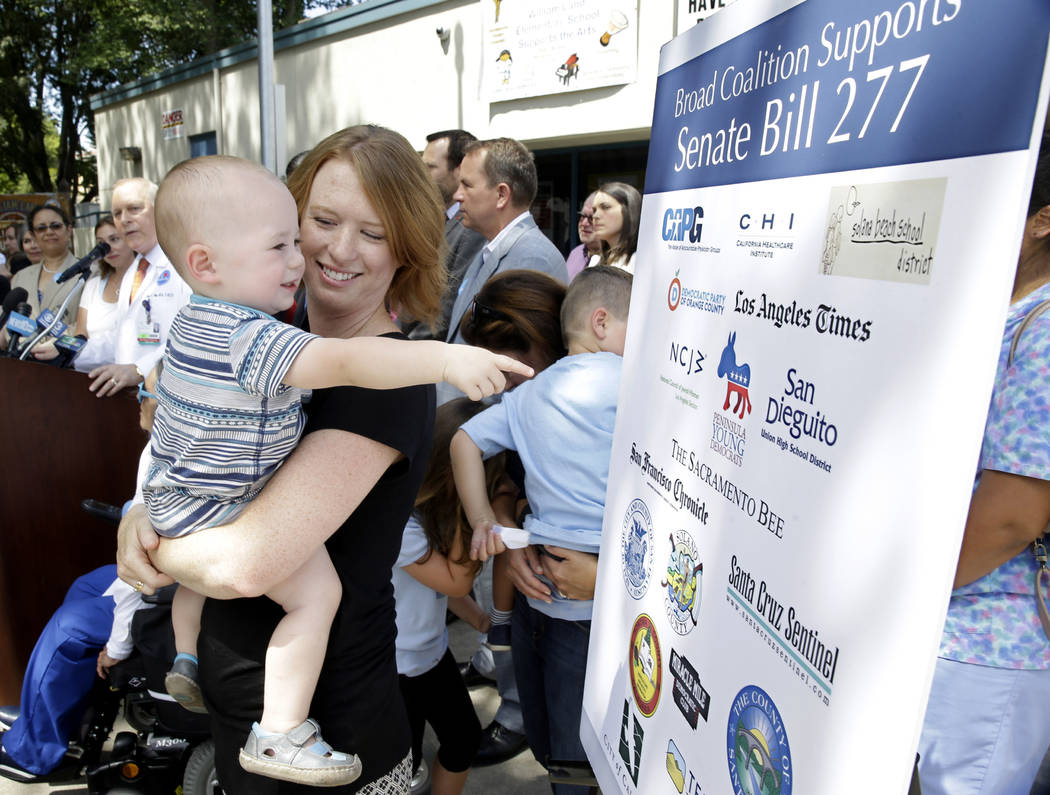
(11, 300)
(83, 265)
(19, 325)
(68, 349)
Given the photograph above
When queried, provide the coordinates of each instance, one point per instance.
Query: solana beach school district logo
(759, 756)
(636, 548)
(646, 665)
(684, 576)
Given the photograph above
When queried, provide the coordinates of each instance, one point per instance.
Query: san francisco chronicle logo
(759, 756)
(646, 665)
(684, 576)
(636, 548)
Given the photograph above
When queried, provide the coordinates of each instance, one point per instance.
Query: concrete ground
(521, 775)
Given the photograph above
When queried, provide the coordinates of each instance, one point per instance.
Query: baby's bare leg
(186, 607)
(310, 598)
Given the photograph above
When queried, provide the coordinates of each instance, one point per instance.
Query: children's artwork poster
(832, 216)
(537, 47)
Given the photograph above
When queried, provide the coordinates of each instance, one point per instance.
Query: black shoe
(8, 715)
(498, 744)
(472, 677)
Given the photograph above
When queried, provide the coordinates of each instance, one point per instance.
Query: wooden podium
(61, 445)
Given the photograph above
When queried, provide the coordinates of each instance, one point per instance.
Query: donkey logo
(737, 376)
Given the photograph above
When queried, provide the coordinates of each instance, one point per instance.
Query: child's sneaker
(182, 685)
(498, 637)
(300, 756)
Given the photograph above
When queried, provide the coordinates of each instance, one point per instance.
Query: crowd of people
(344, 523)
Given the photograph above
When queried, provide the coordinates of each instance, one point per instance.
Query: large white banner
(833, 208)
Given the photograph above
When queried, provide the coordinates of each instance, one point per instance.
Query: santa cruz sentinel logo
(636, 548)
(759, 756)
(646, 665)
(684, 576)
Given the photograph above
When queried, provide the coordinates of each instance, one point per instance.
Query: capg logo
(682, 223)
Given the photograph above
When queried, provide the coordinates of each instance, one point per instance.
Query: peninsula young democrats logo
(684, 577)
(646, 665)
(729, 437)
(759, 755)
(636, 548)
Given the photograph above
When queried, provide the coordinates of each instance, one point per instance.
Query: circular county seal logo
(684, 575)
(759, 756)
(674, 293)
(643, 657)
(636, 548)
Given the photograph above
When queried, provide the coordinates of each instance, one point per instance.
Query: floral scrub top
(993, 621)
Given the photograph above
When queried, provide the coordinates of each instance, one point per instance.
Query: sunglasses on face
(54, 226)
(585, 218)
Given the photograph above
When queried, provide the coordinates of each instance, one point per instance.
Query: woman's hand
(523, 565)
(112, 378)
(575, 576)
(136, 539)
(105, 662)
(45, 352)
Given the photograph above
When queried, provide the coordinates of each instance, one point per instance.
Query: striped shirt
(224, 421)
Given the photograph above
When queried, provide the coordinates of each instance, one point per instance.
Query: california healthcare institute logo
(684, 576)
(646, 666)
(759, 756)
(636, 548)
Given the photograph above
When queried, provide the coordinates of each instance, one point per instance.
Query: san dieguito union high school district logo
(759, 756)
(636, 548)
(684, 577)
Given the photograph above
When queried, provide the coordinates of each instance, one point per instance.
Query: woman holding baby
(372, 235)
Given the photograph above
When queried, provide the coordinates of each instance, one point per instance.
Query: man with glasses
(150, 295)
(589, 242)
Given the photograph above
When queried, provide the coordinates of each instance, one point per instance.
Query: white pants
(986, 730)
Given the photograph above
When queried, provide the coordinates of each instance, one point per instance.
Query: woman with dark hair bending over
(372, 235)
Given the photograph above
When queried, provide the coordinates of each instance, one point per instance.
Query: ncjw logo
(682, 223)
(689, 359)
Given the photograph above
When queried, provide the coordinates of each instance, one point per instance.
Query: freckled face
(349, 263)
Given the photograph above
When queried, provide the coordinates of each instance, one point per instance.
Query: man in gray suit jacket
(497, 184)
(442, 157)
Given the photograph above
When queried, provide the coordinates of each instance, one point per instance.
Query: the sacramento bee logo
(759, 756)
(684, 576)
(646, 665)
(636, 548)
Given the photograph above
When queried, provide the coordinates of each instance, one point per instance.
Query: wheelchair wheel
(201, 777)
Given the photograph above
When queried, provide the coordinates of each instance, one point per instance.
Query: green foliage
(54, 54)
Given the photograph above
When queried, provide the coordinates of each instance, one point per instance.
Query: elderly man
(150, 295)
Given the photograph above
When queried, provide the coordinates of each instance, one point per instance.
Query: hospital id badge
(149, 333)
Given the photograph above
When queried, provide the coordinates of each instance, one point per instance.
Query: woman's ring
(113, 381)
(137, 585)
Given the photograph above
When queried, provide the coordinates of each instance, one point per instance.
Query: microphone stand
(58, 317)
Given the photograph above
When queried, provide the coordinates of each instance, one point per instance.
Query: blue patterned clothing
(225, 421)
(993, 621)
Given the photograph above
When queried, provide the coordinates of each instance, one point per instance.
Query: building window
(203, 144)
